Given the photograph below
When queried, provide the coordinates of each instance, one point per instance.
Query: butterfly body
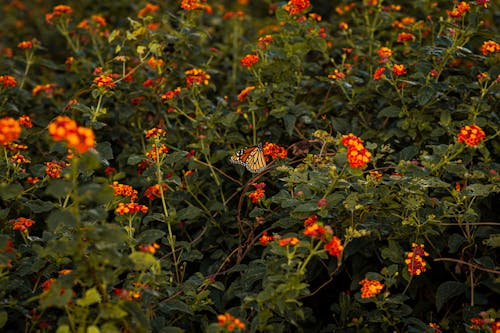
(251, 158)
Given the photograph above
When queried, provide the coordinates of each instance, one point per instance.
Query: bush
(372, 132)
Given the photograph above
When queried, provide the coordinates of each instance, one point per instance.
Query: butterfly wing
(250, 157)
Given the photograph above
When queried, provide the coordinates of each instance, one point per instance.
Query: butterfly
(250, 157)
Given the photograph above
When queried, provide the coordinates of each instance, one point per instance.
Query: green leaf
(135, 159)
(493, 241)
(39, 206)
(93, 329)
(112, 311)
(10, 191)
(455, 241)
(91, 296)
(58, 188)
(478, 190)
(289, 122)
(3, 318)
(389, 112)
(63, 329)
(150, 236)
(447, 291)
(105, 150)
(176, 305)
(60, 218)
(425, 94)
(142, 261)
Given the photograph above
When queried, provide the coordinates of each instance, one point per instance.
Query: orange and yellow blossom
(130, 208)
(489, 46)
(230, 322)
(265, 238)
(53, 169)
(416, 264)
(244, 93)
(273, 150)
(124, 191)
(370, 288)
(288, 241)
(334, 247)
(149, 8)
(77, 137)
(196, 76)
(196, 4)
(58, 11)
(249, 60)
(10, 130)
(296, 6)
(472, 135)
(398, 69)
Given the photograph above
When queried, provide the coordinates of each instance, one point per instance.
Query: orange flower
(153, 192)
(416, 264)
(257, 195)
(149, 248)
(462, 8)
(58, 11)
(196, 76)
(25, 121)
(149, 8)
(124, 191)
(53, 169)
(263, 42)
(229, 322)
(10, 130)
(130, 208)
(384, 54)
(127, 294)
(264, 239)
(288, 241)
(155, 63)
(296, 6)
(244, 93)
(196, 4)
(404, 37)
(249, 60)
(378, 73)
(155, 133)
(489, 46)
(358, 156)
(398, 69)
(27, 44)
(310, 220)
(8, 81)
(19, 159)
(334, 247)
(48, 89)
(273, 150)
(336, 75)
(155, 151)
(315, 231)
(370, 288)
(350, 140)
(106, 81)
(170, 94)
(343, 26)
(472, 135)
(22, 224)
(79, 138)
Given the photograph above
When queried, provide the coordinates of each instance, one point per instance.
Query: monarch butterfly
(250, 157)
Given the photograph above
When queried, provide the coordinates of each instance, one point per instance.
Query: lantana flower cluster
(471, 135)
(357, 155)
(415, 261)
(78, 138)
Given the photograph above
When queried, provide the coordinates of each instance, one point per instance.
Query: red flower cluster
(196, 76)
(259, 192)
(273, 150)
(124, 191)
(461, 8)
(249, 60)
(265, 238)
(8, 81)
(357, 155)
(296, 6)
(472, 135)
(153, 192)
(416, 264)
(22, 224)
(58, 11)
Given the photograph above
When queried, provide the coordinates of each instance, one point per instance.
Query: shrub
(377, 208)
